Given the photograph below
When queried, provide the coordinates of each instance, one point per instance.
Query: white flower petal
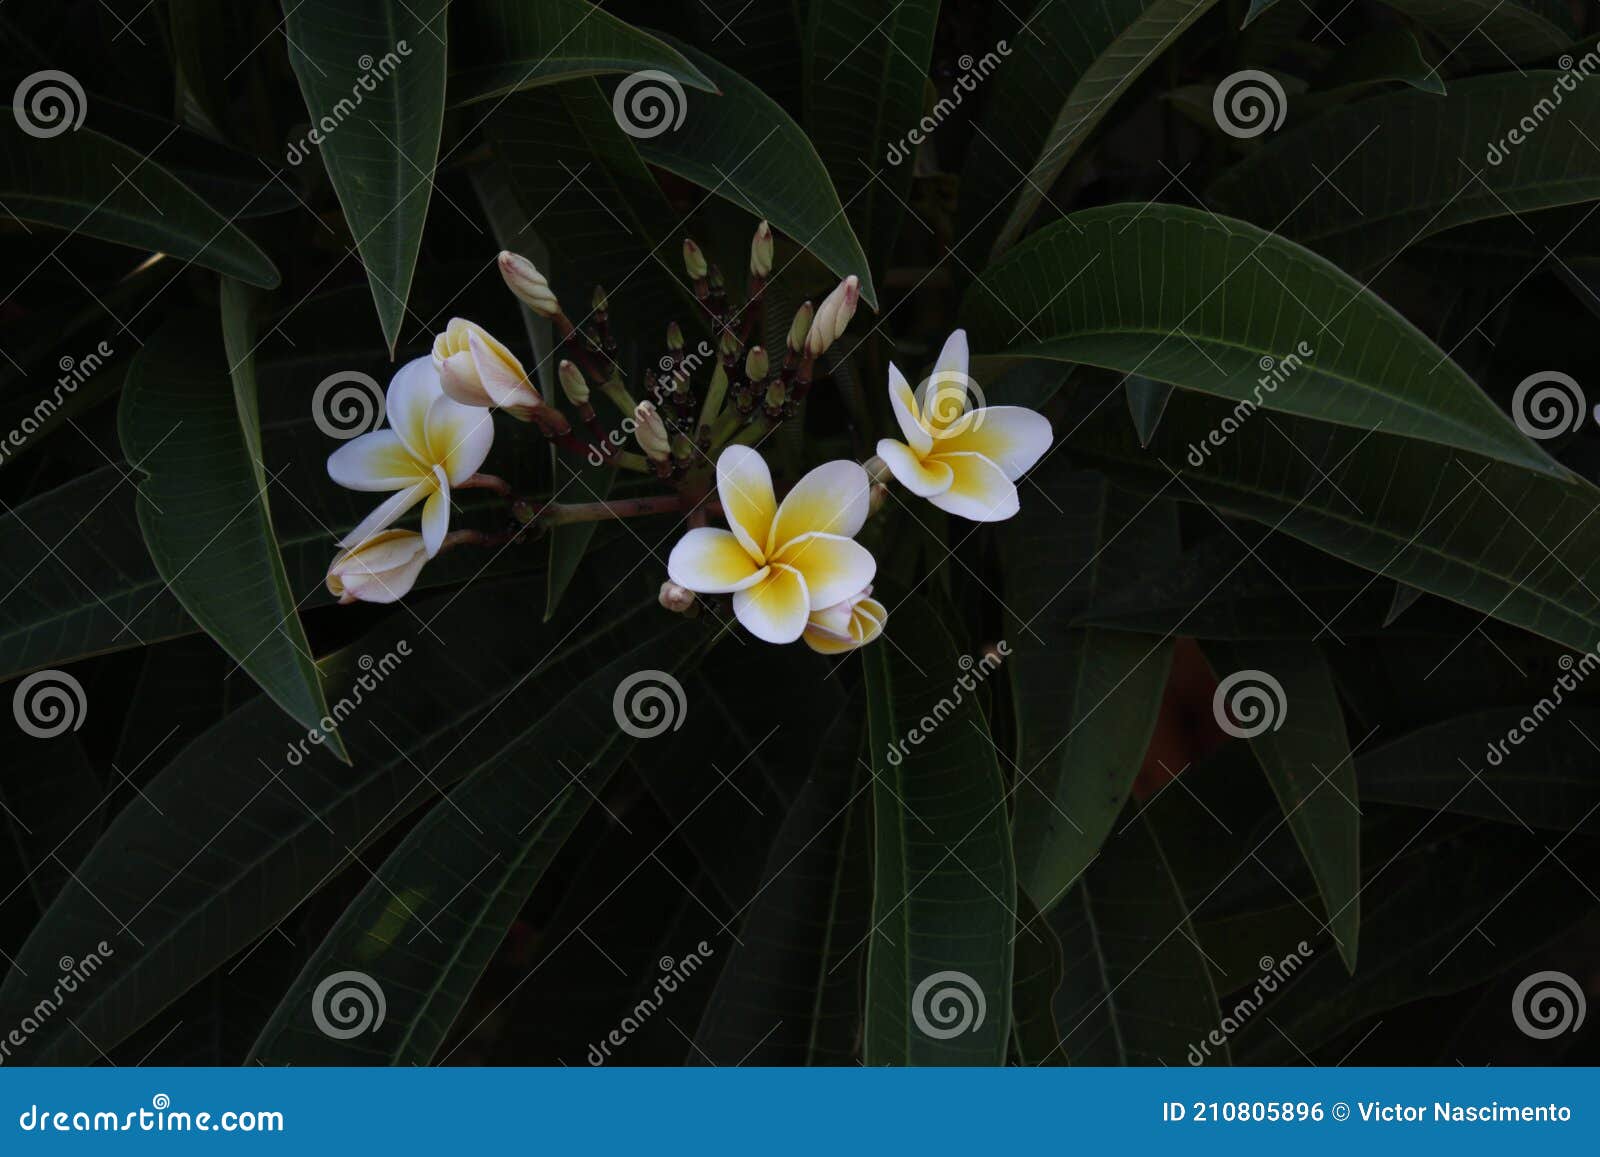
(458, 377)
(905, 412)
(833, 566)
(436, 513)
(924, 477)
(500, 374)
(942, 399)
(774, 609)
(981, 491)
(835, 498)
(744, 484)
(380, 570)
(388, 512)
(377, 461)
(459, 438)
(411, 392)
(1012, 437)
(713, 562)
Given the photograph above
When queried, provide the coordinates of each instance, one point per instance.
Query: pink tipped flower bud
(833, 316)
(524, 280)
(651, 432)
(674, 336)
(573, 383)
(756, 363)
(761, 251)
(694, 260)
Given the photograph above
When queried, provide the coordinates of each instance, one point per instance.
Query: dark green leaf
(1135, 989)
(1402, 167)
(1075, 61)
(372, 73)
(1281, 695)
(939, 953)
(1086, 700)
(426, 926)
(90, 184)
(1496, 538)
(516, 45)
(1180, 295)
(743, 147)
(203, 503)
(866, 68)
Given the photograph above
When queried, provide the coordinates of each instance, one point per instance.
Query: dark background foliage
(1380, 537)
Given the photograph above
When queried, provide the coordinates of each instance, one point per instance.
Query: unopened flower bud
(530, 286)
(675, 598)
(694, 260)
(833, 316)
(761, 251)
(573, 383)
(756, 363)
(876, 496)
(800, 327)
(674, 336)
(728, 345)
(714, 279)
(776, 396)
(877, 469)
(381, 569)
(599, 302)
(682, 450)
(651, 432)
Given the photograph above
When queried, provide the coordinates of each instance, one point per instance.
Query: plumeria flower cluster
(790, 566)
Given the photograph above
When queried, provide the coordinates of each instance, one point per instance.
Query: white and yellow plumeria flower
(476, 370)
(964, 459)
(782, 561)
(434, 443)
(852, 623)
(382, 569)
